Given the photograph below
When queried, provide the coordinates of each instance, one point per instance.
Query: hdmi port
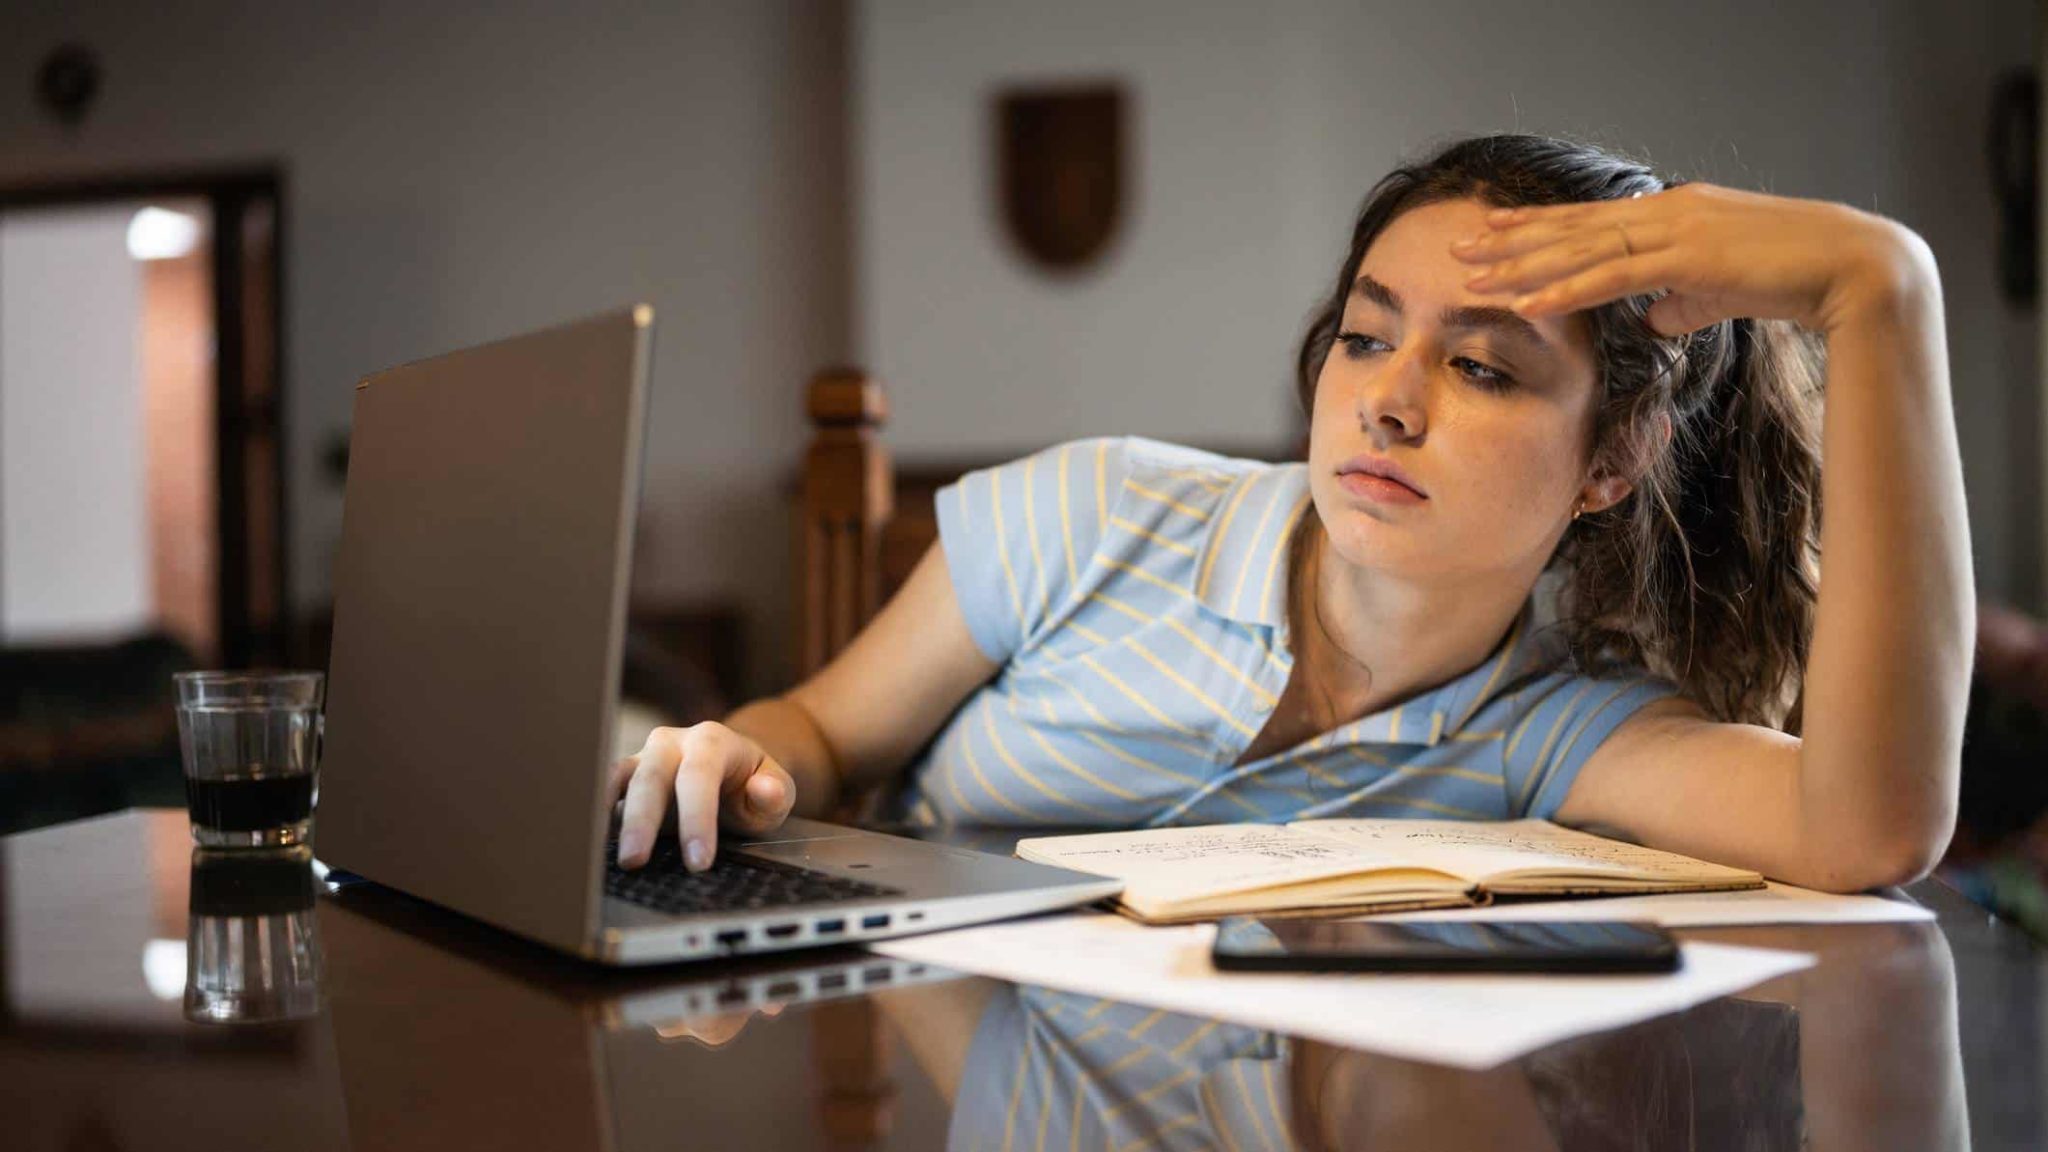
(782, 931)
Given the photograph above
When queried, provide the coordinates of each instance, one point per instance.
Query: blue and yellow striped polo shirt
(1053, 1070)
(1134, 593)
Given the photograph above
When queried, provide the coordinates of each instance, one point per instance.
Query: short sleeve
(1561, 719)
(1017, 537)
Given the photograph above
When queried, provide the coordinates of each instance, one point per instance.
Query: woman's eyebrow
(1506, 323)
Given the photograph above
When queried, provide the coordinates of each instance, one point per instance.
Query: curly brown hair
(1707, 572)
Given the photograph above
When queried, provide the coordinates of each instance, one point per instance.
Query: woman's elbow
(1910, 859)
(1895, 857)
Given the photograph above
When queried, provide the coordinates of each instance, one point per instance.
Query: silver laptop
(480, 608)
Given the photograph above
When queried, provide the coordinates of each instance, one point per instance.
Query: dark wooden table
(434, 1032)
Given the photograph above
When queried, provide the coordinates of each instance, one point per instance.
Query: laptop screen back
(480, 596)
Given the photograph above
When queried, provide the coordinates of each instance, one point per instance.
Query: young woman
(1555, 551)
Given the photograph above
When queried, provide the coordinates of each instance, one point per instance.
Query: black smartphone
(1248, 944)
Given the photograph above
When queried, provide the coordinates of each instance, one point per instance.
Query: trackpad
(856, 852)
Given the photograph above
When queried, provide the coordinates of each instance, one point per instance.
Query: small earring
(1579, 510)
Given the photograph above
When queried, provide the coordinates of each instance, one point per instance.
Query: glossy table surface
(409, 1027)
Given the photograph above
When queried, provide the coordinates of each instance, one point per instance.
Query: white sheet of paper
(1474, 1021)
(1773, 904)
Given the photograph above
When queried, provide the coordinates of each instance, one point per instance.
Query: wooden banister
(848, 497)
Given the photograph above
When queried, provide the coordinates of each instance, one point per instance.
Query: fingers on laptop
(707, 767)
(615, 785)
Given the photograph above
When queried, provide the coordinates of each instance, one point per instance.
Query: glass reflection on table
(252, 944)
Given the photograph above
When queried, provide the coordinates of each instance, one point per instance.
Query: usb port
(782, 931)
(880, 920)
(733, 938)
(832, 982)
(784, 990)
(828, 927)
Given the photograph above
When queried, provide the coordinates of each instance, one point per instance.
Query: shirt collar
(1528, 647)
(1437, 714)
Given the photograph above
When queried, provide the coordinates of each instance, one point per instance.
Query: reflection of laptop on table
(480, 605)
(447, 1035)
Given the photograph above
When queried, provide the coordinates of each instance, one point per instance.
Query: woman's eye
(1357, 345)
(1483, 375)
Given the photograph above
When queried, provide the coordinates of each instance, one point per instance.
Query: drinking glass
(251, 747)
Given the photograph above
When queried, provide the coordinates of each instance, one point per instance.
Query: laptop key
(732, 883)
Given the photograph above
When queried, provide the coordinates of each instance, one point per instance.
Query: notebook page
(1171, 864)
(1478, 849)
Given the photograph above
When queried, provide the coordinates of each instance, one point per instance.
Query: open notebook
(1327, 867)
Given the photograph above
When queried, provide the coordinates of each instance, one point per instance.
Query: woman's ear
(1603, 492)
(1604, 489)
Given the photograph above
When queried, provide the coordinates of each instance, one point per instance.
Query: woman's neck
(1368, 639)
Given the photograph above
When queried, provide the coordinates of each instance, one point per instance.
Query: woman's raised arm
(1867, 796)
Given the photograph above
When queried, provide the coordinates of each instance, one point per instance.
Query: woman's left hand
(1719, 253)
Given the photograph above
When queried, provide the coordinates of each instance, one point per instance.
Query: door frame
(240, 420)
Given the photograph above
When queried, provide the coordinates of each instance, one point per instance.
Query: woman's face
(1486, 416)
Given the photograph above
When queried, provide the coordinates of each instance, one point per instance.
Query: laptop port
(915, 916)
(732, 995)
(876, 974)
(828, 927)
(880, 920)
(832, 982)
(784, 990)
(733, 938)
(782, 931)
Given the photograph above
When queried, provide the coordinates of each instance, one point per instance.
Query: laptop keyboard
(733, 883)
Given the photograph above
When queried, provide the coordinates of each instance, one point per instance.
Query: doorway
(150, 311)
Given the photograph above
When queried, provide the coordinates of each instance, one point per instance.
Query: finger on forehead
(1504, 242)
(1573, 251)
(1607, 281)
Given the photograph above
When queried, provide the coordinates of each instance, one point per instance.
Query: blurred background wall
(795, 183)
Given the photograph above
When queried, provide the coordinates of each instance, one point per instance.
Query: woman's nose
(1393, 402)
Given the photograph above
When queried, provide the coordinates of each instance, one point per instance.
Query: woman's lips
(1379, 480)
(1379, 489)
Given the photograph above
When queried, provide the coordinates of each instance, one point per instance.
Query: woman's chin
(1363, 541)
